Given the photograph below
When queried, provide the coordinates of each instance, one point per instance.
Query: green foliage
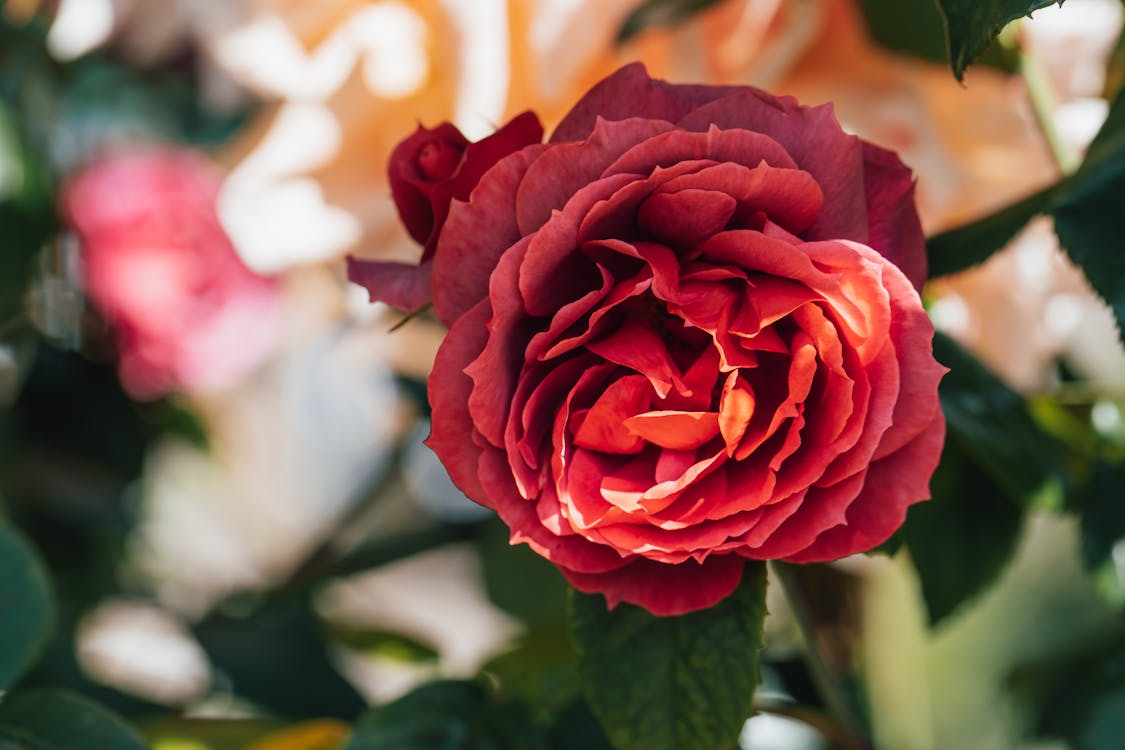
(51, 719)
(1086, 702)
(992, 424)
(1088, 215)
(25, 606)
(277, 656)
(971, 24)
(447, 714)
(656, 13)
(997, 463)
(964, 537)
(683, 683)
(971, 244)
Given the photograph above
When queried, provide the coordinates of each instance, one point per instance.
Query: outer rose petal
(664, 590)
(630, 92)
(895, 231)
(399, 285)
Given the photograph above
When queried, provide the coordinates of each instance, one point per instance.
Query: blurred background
(214, 441)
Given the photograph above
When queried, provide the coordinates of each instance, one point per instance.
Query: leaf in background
(1089, 219)
(25, 607)
(996, 464)
(575, 728)
(991, 424)
(971, 244)
(657, 13)
(1102, 507)
(519, 581)
(971, 24)
(1087, 704)
(672, 683)
(52, 719)
(277, 657)
(447, 714)
(964, 537)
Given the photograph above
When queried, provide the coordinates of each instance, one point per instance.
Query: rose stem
(1041, 98)
(838, 704)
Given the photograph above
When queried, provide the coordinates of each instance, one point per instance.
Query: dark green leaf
(657, 13)
(914, 27)
(52, 719)
(963, 538)
(683, 683)
(1088, 216)
(965, 246)
(1087, 704)
(971, 24)
(25, 606)
(446, 715)
(575, 728)
(520, 581)
(540, 669)
(990, 423)
(277, 656)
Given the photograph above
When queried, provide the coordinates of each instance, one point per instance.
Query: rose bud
(426, 172)
(684, 333)
(186, 313)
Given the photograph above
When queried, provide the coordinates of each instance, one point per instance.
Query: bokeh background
(215, 440)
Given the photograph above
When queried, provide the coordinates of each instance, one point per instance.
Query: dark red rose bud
(427, 172)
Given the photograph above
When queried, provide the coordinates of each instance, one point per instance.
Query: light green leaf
(672, 683)
(25, 606)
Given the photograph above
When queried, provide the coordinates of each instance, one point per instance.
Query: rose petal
(664, 590)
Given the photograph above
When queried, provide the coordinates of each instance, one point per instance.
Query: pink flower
(684, 333)
(187, 314)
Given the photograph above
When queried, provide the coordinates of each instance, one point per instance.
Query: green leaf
(520, 581)
(1088, 216)
(657, 13)
(25, 607)
(991, 423)
(52, 719)
(446, 715)
(277, 656)
(1087, 704)
(682, 683)
(968, 245)
(1102, 528)
(971, 24)
(963, 539)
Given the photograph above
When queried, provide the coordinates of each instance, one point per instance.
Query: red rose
(684, 333)
(187, 314)
(427, 171)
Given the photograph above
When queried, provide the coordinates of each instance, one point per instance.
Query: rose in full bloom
(684, 333)
(187, 314)
(426, 172)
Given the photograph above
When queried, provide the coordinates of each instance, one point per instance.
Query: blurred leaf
(311, 735)
(1087, 704)
(991, 423)
(971, 24)
(174, 732)
(539, 669)
(658, 13)
(1088, 216)
(51, 719)
(575, 728)
(386, 644)
(968, 245)
(25, 606)
(520, 581)
(962, 539)
(1102, 511)
(681, 683)
(277, 657)
(443, 716)
(908, 26)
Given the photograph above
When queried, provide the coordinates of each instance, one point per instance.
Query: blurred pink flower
(187, 314)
